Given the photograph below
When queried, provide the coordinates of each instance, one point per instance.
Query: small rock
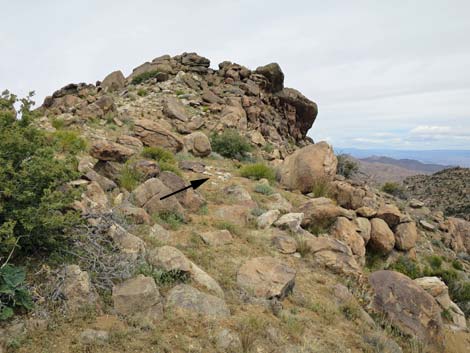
(405, 236)
(426, 225)
(290, 221)
(227, 341)
(110, 151)
(267, 219)
(285, 244)
(217, 238)
(416, 203)
(366, 212)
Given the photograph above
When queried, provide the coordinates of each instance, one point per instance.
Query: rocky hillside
(274, 253)
(409, 164)
(447, 190)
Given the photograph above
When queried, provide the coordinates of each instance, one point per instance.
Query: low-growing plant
(394, 189)
(435, 261)
(159, 154)
(231, 227)
(14, 295)
(170, 167)
(269, 148)
(129, 178)
(142, 92)
(321, 188)
(457, 265)
(302, 245)
(230, 144)
(172, 219)
(162, 277)
(350, 310)
(406, 266)
(258, 171)
(68, 141)
(264, 189)
(57, 124)
(249, 330)
(179, 92)
(346, 166)
(145, 76)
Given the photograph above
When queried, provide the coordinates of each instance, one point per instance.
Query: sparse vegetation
(161, 277)
(129, 178)
(159, 154)
(269, 148)
(172, 219)
(321, 188)
(407, 266)
(346, 166)
(230, 144)
(145, 76)
(264, 189)
(394, 189)
(142, 92)
(67, 141)
(258, 171)
(249, 330)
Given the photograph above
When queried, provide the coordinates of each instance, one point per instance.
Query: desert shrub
(129, 178)
(159, 154)
(162, 277)
(13, 293)
(58, 124)
(142, 92)
(269, 148)
(435, 261)
(67, 141)
(250, 329)
(321, 188)
(258, 171)
(179, 92)
(34, 214)
(145, 76)
(172, 219)
(264, 189)
(457, 265)
(231, 227)
(407, 267)
(302, 245)
(394, 189)
(230, 144)
(346, 166)
(350, 310)
(170, 167)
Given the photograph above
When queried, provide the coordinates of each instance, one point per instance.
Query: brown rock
(322, 210)
(405, 236)
(110, 151)
(266, 277)
(153, 134)
(419, 317)
(198, 144)
(173, 108)
(217, 238)
(189, 198)
(306, 166)
(147, 196)
(274, 75)
(366, 212)
(77, 288)
(381, 237)
(113, 82)
(347, 195)
(390, 214)
(284, 243)
(364, 228)
(457, 234)
(345, 230)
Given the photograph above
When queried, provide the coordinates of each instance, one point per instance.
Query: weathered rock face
(290, 221)
(419, 316)
(174, 109)
(154, 135)
(147, 196)
(334, 254)
(266, 277)
(364, 228)
(128, 243)
(189, 199)
(347, 231)
(382, 239)
(267, 219)
(457, 235)
(406, 236)
(390, 214)
(136, 295)
(217, 238)
(113, 82)
(440, 292)
(110, 151)
(189, 300)
(274, 75)
(308, 165)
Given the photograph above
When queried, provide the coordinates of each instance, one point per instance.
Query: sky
(385, 74)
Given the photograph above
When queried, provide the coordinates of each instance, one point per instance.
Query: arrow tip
(197, 183)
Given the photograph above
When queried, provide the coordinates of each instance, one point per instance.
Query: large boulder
(334, 255)
(198, 144)
(189, 198)
(364, 228)
(137, 295)
(347, 195)
(390, 214)
(128, 243)
(188, 300)
(407, 305)
(440, 292)
(322, 210)
(113, 82)
(153, 134)
(77, 289)
(274, 75)
(347, 231)
(307, 166)
(110, 151)
(382, 239)
(406, 236)
(266, 277)
(174, 109)
(148, 194)
(457, 235)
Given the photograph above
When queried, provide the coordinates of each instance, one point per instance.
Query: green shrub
(346, 166)
(58, 124)
(142, 92)
(230, 144)
(162, 277)
(13, 293)
(170, 167)
(172, 219)
(269, 148)
(67, 141)
(145, 76)
(394, 189)
(159, 154)
(129, 178)
(350, 310)
(435, 261)
(264, 189)
(179, 92)
(258, 171)
(34, 214)
(231, 227)
(321, 188)
(407, 267)
(457, 265)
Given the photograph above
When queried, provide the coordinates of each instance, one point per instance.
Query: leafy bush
(13, 293)
(145, 76)
(129, 178)
(142, 92)
(159, 154)
(258, 171)
(162, 277)
(321, 188)
(394, 189)
(457, 265)
(230, 144)
(346, 166)
(407, 267)
(264, 189)
(172, 219)
(170, 167)
(67, 141)
(269, 148)
(435, 261)
(34, 214)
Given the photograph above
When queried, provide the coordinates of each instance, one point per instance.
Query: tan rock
(347, 195)
(306, 166)
(284, 243)
(366, 212)
(110, 151)
(382, 239)
(173, 108)
(128, 243)
(267, 219)
(189, 198)
(456, 234)
(266, 277)
(420, 317)
(278, 202)
(390, 214)
(347, 231)
(77, 289)
(322, 210)
(290, 221)
(198, 144)
(113, 82)
(427, 225)
(406, 236)
(148, 194)
(217, 238)
(153, 134)
(364, 227)
(94, 199)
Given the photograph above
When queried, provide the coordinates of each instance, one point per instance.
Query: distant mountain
(409, 164)
(444, 157)
(447, 190)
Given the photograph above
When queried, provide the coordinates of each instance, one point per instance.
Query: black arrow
(194, 184)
